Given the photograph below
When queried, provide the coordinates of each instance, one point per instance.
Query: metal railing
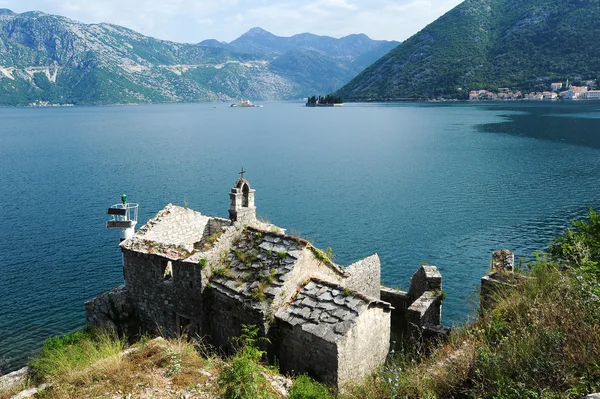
(123, 212)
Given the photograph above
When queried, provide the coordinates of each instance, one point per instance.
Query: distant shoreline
(366, 101)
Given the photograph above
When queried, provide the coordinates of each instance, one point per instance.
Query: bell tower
(241, 205)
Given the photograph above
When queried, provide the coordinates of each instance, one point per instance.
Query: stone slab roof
(172, 232)
(327, 310)
(258, 263)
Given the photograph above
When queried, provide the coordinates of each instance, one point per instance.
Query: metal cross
(242, 172)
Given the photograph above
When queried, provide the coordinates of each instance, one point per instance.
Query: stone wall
(226, 312)
(112, 309)
(503, 260)
(418, 311)
(501, 275)
(365, 276)
(357, 326)
(426, 310)
(425, 294)
(167, 293)
(365, 346)
(400, 302)
(216, 225)
(490, 285)
(300, 352)
(427, 278)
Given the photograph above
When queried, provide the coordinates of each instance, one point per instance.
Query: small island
(246, 104)
(325, 101)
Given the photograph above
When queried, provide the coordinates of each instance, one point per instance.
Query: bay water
(445, 184)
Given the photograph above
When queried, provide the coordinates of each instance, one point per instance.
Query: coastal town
(587, 91)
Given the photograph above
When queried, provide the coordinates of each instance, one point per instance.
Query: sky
(192, 21)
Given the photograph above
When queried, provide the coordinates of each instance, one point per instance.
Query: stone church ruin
(207, 276)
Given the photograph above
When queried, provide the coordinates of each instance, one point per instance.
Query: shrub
(242, 377)
(578, 248)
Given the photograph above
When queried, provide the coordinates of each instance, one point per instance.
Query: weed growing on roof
(320, 255)
(258, 293)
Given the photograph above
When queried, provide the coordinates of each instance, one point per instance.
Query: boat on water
(246, 104)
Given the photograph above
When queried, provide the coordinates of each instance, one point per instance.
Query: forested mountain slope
(48, 58)
(489, 44)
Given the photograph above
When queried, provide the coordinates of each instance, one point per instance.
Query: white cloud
(196, 20)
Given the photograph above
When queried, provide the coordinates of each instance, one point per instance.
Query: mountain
(57, 60)
(213, 43)
(260, 42)
(486, 44)
(322, 63)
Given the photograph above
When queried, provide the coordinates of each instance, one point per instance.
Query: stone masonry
(501, 275)
(187, 273)
(323, 331)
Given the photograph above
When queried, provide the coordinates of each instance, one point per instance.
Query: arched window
(245, 191)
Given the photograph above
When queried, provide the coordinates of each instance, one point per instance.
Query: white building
(576, 92)
(534, 96)
(593, 95)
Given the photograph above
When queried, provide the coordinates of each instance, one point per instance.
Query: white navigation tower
(123, 217)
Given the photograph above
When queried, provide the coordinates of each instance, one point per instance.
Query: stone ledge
(425, 310)
(427, 278)
(393, 296)
(12, 380)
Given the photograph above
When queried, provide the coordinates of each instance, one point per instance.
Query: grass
(305, 387)
(220, 272)
(73, 353)
(92, 365)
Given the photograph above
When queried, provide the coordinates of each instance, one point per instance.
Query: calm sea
(443, 183)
